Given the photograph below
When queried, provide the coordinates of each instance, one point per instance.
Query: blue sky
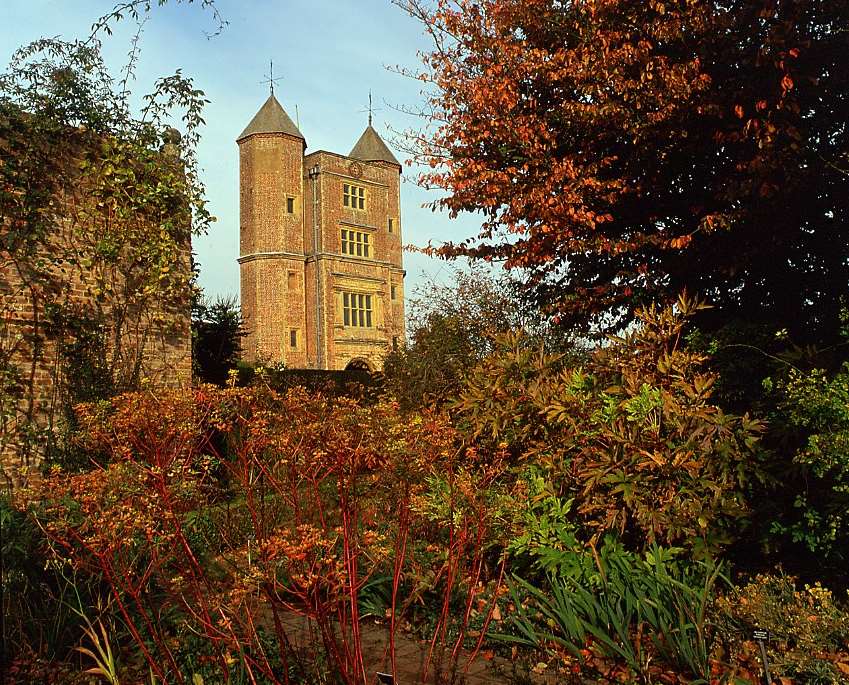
(329, 53)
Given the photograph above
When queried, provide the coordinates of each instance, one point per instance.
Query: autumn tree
(621, 151)
(452, 326)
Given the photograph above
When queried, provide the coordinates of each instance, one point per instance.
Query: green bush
(812, 417)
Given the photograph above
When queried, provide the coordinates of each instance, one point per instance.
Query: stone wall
(52, 301)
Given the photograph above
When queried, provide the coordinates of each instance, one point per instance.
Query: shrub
(226, 508)
(217, 331)
(808, 627)
(631, 437)
(812, 418)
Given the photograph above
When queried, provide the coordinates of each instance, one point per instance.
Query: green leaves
(813, 417)
(631, 436)
(656, 600)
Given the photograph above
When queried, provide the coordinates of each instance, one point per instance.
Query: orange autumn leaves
(620, 152)
(230, 506)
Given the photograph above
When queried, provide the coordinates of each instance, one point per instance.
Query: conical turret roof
(371, 148)
(271, 118)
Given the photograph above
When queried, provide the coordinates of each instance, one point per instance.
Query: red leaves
(554, 115)
(786, 83)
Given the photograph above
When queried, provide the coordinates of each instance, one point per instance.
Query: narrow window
(290, 205)
(391, 225)
(393, 292)
(293, 337)
(292, 280)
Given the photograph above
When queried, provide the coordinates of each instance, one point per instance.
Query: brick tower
(271, 237)
(320, 248)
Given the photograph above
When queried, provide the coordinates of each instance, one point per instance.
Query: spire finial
(371, 109)
(270, 80)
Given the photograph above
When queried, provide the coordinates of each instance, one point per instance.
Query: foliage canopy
(621, 151)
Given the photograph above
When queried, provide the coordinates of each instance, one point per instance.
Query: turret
(271, 236)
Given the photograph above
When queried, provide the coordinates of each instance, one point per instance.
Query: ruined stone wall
(50, 300)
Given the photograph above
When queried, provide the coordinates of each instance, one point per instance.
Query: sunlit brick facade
(322, 280)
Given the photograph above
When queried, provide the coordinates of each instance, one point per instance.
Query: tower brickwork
(320, 248)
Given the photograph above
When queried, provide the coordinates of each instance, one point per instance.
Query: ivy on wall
(98, 202)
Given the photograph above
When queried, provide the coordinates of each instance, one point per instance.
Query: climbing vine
(98, 202)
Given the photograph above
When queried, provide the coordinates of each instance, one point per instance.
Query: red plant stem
(441, 625)
(330, 644)
(103, 565)
(154, 664)
(282, 639)
(265, 666)
(474, 578)
(488, 618)
(198, 579)
(398, 566)
(351, 553)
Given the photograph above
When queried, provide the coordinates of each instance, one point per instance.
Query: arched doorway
(358, 365)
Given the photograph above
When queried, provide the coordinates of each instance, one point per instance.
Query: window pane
(347, 316)
(365, 250)
(368, 318)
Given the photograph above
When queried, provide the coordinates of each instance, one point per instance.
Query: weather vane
(370, 109)
(270, 80)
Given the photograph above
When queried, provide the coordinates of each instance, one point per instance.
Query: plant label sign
(760, 635)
